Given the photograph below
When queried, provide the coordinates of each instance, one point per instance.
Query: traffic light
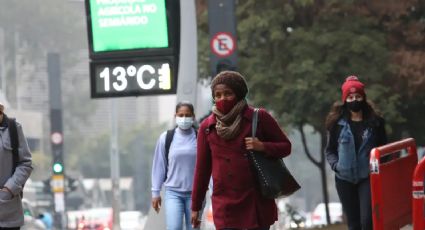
(72, 184)
(57, 168)
(225, 64)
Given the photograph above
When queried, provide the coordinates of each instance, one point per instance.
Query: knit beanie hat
(352, 85)
(233, 80)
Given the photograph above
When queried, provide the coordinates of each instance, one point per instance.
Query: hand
(254, 144)
(196, 222)
(156, 203)
(5, 194)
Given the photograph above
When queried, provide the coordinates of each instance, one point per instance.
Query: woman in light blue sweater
(174, 169)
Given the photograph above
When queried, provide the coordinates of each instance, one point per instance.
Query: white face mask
(184, 122)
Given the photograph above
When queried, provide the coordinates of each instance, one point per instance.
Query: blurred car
(31, 222)
(294, 219)
(208, 221)
(74, 217)
(318, 217)
(96, 219)
(132, 220)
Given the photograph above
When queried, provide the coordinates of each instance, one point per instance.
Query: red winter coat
(236, 201)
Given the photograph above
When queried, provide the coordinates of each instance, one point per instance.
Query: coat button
(228, 159)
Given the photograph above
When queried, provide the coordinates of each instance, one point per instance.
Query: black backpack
(168, 139)
(13, 132)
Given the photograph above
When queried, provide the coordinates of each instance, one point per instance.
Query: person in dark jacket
(354, 128)
(224, 139)
(12, 178)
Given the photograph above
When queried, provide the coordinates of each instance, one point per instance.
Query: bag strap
(254, 122)
(13, 132)
(168, 139)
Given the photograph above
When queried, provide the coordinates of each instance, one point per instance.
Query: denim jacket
(352, 166)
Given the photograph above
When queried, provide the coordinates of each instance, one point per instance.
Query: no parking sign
(223, 44)
(222, 31)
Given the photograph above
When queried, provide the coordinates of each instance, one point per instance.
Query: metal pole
(55, 103)
(188, 66)
(115, 168)
(222, 30)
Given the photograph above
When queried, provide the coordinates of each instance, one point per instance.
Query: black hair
(187, 104)
(339, 109)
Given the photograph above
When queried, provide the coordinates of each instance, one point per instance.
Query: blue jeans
(177, 207)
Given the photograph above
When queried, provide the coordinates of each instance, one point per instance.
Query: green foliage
(203, 45)
(136, 147)
(41, 166)
(296, 55)
(92, 158)
(296, 68)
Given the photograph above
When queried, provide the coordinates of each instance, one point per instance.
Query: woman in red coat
(224, 139)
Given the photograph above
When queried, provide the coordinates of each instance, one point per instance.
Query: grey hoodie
(11, 213)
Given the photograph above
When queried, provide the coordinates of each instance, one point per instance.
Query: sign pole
(115, 168)
(58, 183)
(222, 29)
(188, 75)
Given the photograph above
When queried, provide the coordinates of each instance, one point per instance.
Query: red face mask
(224, 106)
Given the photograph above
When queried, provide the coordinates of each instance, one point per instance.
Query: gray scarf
(228, 125)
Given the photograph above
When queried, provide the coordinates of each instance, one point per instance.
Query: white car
(318, 217)
(132, 220)
(31, 222)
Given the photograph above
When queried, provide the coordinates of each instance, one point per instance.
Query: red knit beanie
(352, 85)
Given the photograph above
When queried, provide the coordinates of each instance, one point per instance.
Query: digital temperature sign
(133, 47)
(132, 77)
(127, 25)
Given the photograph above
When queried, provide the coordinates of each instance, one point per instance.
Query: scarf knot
(228, 125)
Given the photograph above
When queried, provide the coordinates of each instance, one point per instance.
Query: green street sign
(119, 25)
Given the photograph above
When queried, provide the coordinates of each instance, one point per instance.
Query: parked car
(31, 222)
(96, 219)
(208, 221)
(294, 219)
(132, 220)
(319, 214)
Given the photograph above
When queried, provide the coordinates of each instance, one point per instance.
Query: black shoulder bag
(274, 178)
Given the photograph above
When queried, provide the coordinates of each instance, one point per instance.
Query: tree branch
(306, 150)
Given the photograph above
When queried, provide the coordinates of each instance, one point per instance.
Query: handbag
(273, 176)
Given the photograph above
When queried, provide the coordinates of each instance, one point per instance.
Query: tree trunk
(321, 164)
(324, 177)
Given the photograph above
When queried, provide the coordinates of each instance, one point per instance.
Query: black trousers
(17, 228)
(263, 228)
(356, 202)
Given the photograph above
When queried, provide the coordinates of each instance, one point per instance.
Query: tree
(296, 54)
(136, 149)
(404, 23)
